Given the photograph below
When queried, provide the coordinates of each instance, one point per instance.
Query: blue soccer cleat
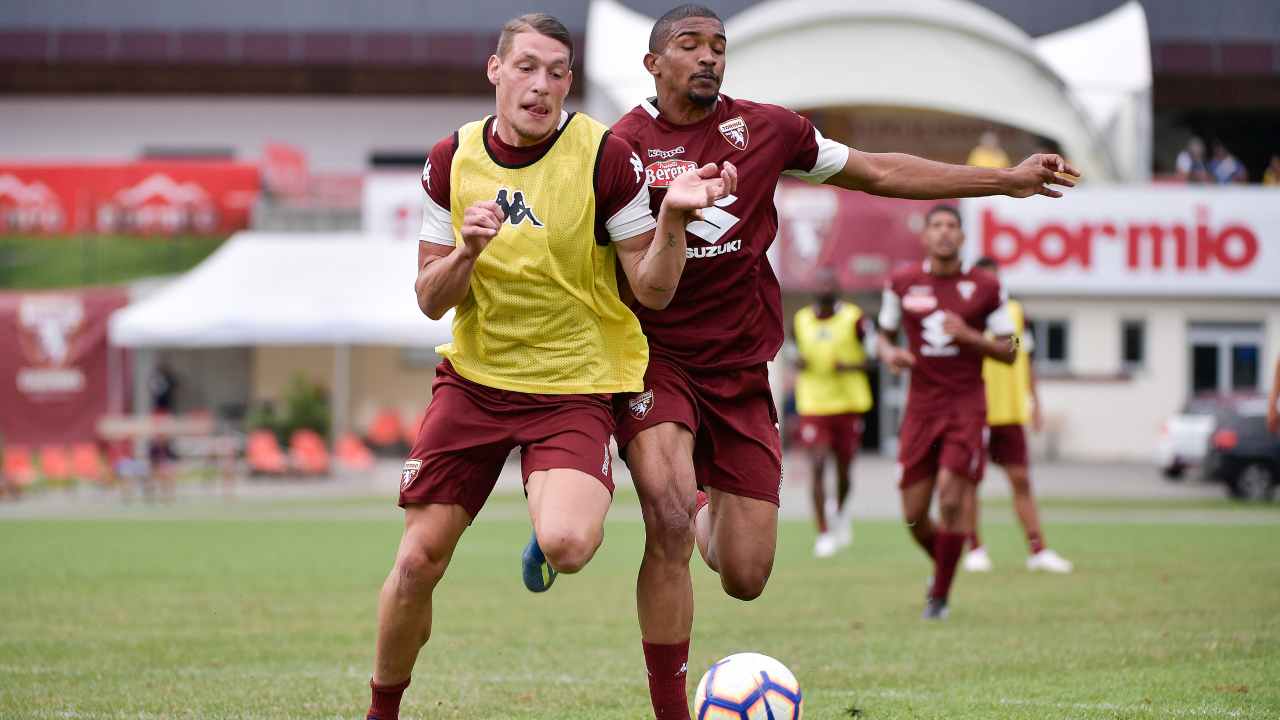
(538, 573)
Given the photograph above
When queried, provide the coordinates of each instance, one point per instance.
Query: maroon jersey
(947, 376)
(727, 310)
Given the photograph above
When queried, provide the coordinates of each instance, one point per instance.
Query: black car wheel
(1255, 483)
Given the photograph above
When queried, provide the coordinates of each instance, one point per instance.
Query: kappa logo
(426, 174)
(608, 461)
(409, 473)
(666, 154)
(641, 404)
(635, 165)
(517, 211)
(966, 288)
(735, 132)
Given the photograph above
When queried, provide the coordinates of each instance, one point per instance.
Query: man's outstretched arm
(907, 176)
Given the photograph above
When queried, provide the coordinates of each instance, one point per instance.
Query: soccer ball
(748, 686)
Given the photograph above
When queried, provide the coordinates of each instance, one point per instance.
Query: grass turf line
(216, 618)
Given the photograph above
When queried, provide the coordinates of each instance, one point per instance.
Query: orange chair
(352, 454)
(55, 464)
(263, 453)
(385, 431)
(308, 453)
(18, 465)
(411, 430)
(86, 463)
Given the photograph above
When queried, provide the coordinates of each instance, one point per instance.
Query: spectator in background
(1190, 165)
(1224, 167)
(1272, 174)
(988, 153)
(163, 386)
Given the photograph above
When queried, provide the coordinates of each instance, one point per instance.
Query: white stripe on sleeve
(632, 220)
(832, 157)
(437, 224)
(890, 311)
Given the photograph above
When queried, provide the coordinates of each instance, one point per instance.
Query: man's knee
(745, 581)
(568, 549)
(668, 524)
(1020, 481)
(417, 571)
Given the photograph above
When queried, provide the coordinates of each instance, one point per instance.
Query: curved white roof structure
(944, 55)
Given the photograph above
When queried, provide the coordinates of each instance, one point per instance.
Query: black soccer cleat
(935, 609)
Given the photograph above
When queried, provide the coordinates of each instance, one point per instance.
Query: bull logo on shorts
(409, 473)
(641, 404)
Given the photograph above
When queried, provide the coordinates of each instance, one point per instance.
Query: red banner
(54, 367)
(863, 238)
(165, 198)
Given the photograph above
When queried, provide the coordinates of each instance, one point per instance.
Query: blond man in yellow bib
(1013, 403)
(832, 395)
(529, 214)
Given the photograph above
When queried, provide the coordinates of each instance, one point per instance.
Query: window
(1052, 344)
(1133, 344)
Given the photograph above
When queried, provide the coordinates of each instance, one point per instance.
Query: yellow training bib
(543, 313)
(1009, 386)
(824, 343)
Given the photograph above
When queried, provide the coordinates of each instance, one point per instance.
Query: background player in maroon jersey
(706, 416)
(945, 311)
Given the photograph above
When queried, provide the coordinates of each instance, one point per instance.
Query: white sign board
(392, 204)
(1125, 240)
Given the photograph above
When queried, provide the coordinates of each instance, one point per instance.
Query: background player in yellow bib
(1012, 402)
(832, 394)
(528, 215)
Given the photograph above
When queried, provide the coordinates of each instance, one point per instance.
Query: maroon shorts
(1007, 445)
(731, 415)
(470, 429)
(840, 434)
(952, 440)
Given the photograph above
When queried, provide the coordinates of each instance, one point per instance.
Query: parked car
(1184, 439)
(1243, 455)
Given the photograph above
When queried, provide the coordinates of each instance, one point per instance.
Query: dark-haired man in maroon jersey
(706, 416)
(945, 312)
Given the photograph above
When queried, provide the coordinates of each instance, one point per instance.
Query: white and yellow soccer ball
(748, 686)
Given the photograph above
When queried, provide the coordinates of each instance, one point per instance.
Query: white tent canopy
(946, 55)
(287, 289)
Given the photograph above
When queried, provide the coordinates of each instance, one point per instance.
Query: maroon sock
(1035, 541)
(947, 549)
(975, 542)
(386, 701)
(926, 543)
(668, 667)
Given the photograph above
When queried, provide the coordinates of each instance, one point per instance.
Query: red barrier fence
(165, 198)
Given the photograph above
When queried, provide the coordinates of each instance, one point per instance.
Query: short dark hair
(540, 23)
(661, 32)
(986, 262)
(943, 208)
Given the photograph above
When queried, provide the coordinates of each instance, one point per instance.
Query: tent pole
(340, 403)
(144, 360)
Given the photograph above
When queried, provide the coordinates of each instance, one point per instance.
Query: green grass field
(237, 613)
(52, 262)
